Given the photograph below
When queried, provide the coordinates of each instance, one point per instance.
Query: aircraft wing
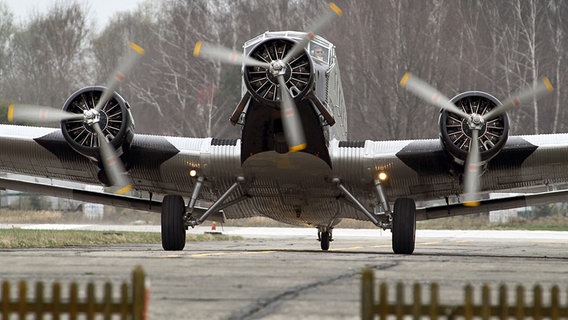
(424, 171)
(156, 165)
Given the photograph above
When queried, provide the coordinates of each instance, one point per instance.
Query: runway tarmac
(282, 274)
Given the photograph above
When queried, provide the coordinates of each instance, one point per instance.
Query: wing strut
(372, 217)
(218, 205)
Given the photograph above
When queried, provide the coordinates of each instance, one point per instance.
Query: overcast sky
(100, 11)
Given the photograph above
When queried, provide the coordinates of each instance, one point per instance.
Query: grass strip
(24, 238)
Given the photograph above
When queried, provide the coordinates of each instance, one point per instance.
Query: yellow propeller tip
(405, 79)
(298, 147)
(547, 83)
(136, 48)
(197, 48)
(124, 190)
(471, 203)
(11, 113)
(335, 9)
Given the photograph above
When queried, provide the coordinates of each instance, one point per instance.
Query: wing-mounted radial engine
(114, 119)
(95, 121)
(456, 132)
(474, 126)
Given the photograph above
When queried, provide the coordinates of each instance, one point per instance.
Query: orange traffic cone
(213, 229)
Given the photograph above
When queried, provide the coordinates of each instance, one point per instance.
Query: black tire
(173, 228)
(404, 226)
(324, 239)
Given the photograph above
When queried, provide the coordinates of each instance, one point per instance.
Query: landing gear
(404, 226)
(324, 237)
(173, 226)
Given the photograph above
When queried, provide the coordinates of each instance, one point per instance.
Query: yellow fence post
(417, 305)
(138, 294)
(399, 304)
(434, 301)
(56, 300)
(107, 301)
(22, 303)
(367, 294)
(5, 299)
(73, 300)
(468, 303)
(537, 300)
(383, 301)
(124, 307)
(554, 303)
(485, 302)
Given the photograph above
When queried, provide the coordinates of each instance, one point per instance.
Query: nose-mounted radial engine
(262, 83)
(278, 74)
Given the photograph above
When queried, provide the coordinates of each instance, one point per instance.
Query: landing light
(192, 173)
(382, 176)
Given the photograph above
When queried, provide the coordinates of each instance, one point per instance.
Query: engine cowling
(115, 121)
(264, 86)
(456, 135)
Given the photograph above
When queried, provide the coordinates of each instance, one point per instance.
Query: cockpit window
(319, 53)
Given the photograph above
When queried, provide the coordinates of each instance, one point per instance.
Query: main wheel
(325, 238)
(404, 226)
(173, 228)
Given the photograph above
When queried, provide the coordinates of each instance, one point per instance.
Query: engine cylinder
(115, 120)
(456, 134)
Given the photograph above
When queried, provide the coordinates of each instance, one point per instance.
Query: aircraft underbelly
(292, 187)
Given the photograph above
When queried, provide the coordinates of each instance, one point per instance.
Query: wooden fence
(132, 303)
(434, 309)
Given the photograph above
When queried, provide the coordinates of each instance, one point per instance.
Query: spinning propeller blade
(120, 74)
(430, 94)
(291, 119)
(114, 168)
(214, 52)
(472, 174)
(542, 87)
(39, 114)
(111, 162)
(323, 21)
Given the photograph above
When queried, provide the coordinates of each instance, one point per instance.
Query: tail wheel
(325, 238)
(404, 226)
(173, 227)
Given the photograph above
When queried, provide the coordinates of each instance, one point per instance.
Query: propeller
(112, 164)
(215, 52)
(291, 121)
(475, 123)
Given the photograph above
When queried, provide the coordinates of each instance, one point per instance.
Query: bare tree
(49, 56)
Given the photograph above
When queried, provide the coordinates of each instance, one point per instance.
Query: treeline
(490, 45)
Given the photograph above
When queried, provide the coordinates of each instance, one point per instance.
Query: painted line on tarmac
(213, 254)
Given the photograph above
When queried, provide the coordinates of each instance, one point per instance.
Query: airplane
(293, 162)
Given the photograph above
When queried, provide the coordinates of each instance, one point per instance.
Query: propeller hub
(475, 122)
(93, 116)
(278, 68)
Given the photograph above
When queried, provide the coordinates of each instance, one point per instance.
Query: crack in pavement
(262, 307)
